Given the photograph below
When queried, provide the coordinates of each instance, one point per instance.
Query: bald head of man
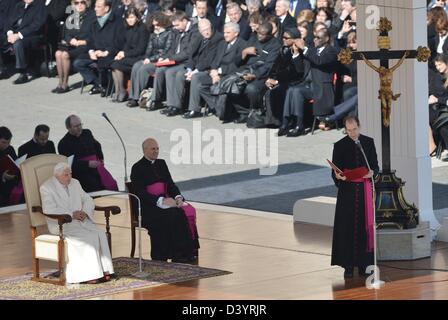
(150, 149)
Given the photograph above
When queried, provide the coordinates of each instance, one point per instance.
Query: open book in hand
(352, 174)
(10, 165)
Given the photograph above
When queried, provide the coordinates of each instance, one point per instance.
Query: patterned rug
(22, 288)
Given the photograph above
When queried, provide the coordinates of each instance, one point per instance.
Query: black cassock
(168, 228)
(7, 186)
(83, 146)
(349, 233)
(32, 148)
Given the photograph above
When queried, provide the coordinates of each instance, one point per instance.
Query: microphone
(140, 273)
(122, 143)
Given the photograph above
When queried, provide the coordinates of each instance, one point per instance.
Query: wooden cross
(385, 94)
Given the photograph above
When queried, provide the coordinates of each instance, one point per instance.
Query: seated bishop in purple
(170, 221)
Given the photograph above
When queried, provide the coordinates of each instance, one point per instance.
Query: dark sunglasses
(79, 2)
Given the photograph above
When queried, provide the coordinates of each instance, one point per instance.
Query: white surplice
(88, 250)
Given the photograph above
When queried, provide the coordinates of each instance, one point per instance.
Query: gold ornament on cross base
(423, 54)
(384, 25)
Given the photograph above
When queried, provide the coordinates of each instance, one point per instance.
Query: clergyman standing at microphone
(353, 222)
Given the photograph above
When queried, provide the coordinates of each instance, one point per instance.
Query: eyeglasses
(79, 2)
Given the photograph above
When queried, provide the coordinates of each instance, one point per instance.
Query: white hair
(255, 3)
(234, 6)
(235, 27)
(60, 168)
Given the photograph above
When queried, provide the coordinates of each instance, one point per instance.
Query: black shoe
(155, 105)
(23, 78)
(173, 112)
(192, 114)
(282, 131)
(63, 90)
(165, 110)
(56, 90)
(297, 131)
(122, 98)
(95, 90)
(224, 121)
(184, 259)
(163, 259)
(132, 104)
(241, 119)
(103, 92)
(348, 273)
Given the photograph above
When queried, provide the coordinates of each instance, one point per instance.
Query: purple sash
(16, 194)
(159, 189)
(107, 180)
(368, 209)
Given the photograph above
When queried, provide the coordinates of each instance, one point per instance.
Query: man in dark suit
(202, 55)
(285, 21)
(236, 15)
(226, 61)
(317, 86)
(39, 144)
(186, 35)
(199, 10)
(286, 71)
(259, 60)
(22, 31)
(106, 39)
(296, 6)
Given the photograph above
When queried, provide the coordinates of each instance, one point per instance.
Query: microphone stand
(377, 283)
(140, 273)
(124, 148)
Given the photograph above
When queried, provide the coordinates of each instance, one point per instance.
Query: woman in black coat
(158, 45)
(74, 41)
(136, 39)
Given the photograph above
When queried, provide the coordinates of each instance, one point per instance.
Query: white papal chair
(35, 171)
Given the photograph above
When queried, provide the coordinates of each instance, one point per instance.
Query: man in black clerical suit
(171, 223)
(21, 31)
(87, 152)
(7, 180)
(227, 60)
(352, 237)
(39, 144)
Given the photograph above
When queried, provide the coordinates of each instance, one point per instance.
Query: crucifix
(391, 207)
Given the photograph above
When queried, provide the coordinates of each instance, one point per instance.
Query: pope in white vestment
(88, 250)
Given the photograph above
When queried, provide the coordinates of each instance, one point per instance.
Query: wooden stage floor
(269, 257)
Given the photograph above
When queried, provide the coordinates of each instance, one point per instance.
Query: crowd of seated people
(231, 57)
